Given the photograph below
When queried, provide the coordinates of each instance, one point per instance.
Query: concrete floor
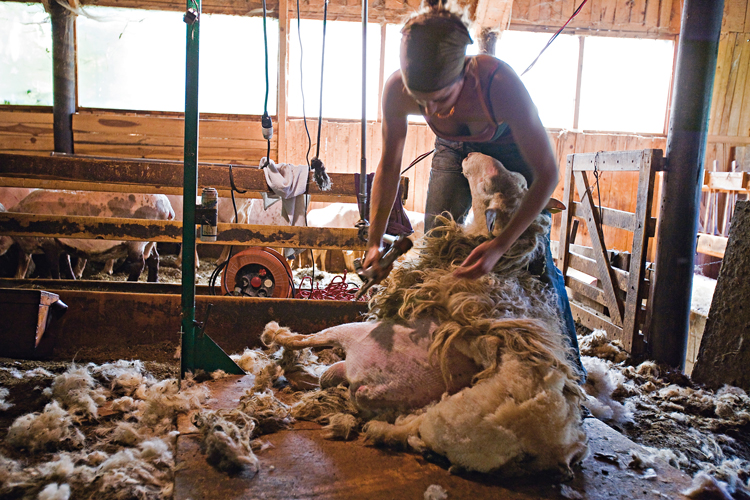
(300, 464)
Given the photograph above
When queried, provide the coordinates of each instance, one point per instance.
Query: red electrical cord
(337, 289)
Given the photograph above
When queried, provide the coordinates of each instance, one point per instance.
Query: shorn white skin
(387, 365)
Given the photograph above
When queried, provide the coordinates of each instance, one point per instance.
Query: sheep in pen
(474, 370)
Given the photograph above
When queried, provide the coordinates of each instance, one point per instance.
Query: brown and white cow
(92, 204)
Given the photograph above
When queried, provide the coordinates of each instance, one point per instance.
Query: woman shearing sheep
(472, 104)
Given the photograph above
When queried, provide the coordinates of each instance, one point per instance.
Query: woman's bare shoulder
(396, 99)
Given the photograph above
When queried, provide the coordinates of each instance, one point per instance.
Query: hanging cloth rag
(398, 221)
(288, 183)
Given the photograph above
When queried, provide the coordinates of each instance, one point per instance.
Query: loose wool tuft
(53, 428)
(269, 413)
(597, 344)
(601, 383)
(4, 405)
(226, 439)
(341, 426)
(435, 492)
(127, 455)
(315, 405)
(53, 491)
(78, 392)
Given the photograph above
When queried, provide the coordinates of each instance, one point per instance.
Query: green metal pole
(190, 186)
(199, 351)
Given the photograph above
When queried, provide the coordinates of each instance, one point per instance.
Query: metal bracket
(191, 17)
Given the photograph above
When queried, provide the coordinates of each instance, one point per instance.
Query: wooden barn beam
(492, 15)
(162, 231)
(667, 328)
(148, 176)
(338, 10)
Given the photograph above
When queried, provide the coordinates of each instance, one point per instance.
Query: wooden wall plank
(731, 83)
(721, 78)
(622, 11)
(26, 132)
(521, 10)
(638, 13)
(665, 13)
(743, 127)
(651, 16)
(738, 95)
(20, 143)
(734, 15)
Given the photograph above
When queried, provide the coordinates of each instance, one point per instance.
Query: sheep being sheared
(487, 355)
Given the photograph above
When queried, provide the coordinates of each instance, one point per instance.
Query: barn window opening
(552, 81)
(135, 59)
(342, 80)
(624, 84)
(25, 54)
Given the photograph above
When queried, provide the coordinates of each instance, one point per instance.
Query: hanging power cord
(319, 170)
(600, 218)
(575, 13)
(417, 160)
(265, 122)
(307, 130)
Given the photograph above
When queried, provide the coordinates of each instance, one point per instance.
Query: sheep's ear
(554, 206)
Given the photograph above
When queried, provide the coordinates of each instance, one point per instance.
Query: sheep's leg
(224, 255)
(66, 270)
(52, 253)
(275, 334)
(178, 262)
(137, 261)
(152, 262)
(109, 267)
(320, 255)
(383, 433)
(334, 375)
(24, 261)
(79, 267)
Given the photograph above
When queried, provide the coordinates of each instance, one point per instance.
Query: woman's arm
(512, 105)
(397, 105)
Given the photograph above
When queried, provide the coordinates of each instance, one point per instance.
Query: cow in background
(92, 204)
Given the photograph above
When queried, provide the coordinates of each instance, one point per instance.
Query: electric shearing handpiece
(399, 246)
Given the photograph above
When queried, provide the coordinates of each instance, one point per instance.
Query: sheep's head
(495, 191)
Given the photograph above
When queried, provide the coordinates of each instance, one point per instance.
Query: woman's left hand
(481, 260)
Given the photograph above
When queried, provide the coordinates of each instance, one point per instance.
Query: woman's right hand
(371, 265)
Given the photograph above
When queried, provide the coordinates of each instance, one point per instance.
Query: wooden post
(381, 71)
(579, 78)
(487, 41)
(63, 75)
(686, 147)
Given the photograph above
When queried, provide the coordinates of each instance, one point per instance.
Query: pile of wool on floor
(70, 450)
(703, 432)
